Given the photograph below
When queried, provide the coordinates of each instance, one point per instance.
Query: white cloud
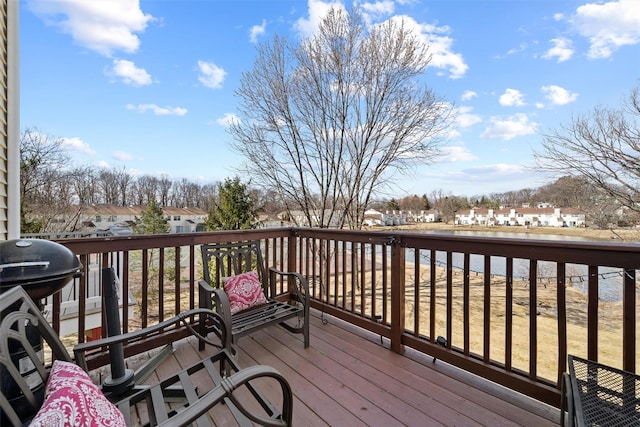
(512, 98)
(562, 49)
(514, 126)
(211, 75)
(317, 11)
(455, 154)
(102, 26)
(440, 45)
(158, 111)
(76, 144)
(608, 26)
(228, 119)
(558, 95)
(122, 156)
(468, 94)
(521, 48)
(464, 118)
(495, 170)
(376, 10)
(257, 30)
(129, 73)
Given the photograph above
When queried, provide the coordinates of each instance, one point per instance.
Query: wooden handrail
(410, 288)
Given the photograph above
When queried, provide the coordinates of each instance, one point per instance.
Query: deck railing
(510, 310)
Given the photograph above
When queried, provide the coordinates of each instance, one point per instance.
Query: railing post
(629, 321)
(292, 253)
(292, 256)
(397, 296)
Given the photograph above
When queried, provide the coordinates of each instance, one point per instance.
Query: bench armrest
(214, 322)
(300, 289)
(215, 299)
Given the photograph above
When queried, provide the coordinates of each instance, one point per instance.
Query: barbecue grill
(41, 267)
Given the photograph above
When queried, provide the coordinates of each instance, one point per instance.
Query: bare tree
(84, 183)
(44, 193)
(449, 207)
(108, 184)
(164, 188)
(412, 203)
(124, 180)
(208, 196)
(328, 122)
(603, 147)
(40, 156)
(147, 189)
(185, 193)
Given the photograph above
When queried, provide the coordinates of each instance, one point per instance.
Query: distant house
(531, 217)
(431, 215)
(299, 218)
(112, 217)
(374, 217)
(269, 221)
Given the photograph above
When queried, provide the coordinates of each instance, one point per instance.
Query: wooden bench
(289, 309)
(24, 373)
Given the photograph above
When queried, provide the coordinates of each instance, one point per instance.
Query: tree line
(50, 188)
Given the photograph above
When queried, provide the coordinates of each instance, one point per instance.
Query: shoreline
(622, 235)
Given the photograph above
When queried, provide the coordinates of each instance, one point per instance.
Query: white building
(431, 215)
(532, 217)
(374, 217)
(106, 217)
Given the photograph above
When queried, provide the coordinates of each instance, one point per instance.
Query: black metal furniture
(599, 395)
(226, 382)
(230, 259)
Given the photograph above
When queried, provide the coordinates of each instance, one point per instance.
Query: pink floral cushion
(244, 291)
(71, 399)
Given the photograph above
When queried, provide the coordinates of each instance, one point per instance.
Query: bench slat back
(230, 259)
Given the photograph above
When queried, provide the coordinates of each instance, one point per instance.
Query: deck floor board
(348, 378)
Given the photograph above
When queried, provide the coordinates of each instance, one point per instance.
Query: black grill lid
(41, 267)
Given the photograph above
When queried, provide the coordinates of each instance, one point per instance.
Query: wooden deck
(347, 378)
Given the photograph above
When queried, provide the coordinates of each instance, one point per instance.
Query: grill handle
(25, 264)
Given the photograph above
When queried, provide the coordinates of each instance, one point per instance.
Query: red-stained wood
(347, 377)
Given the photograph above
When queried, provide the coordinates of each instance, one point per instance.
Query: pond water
(504, 234)
(611, 280)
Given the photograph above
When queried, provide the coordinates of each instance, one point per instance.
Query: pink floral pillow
(73, 400)
(244, 291)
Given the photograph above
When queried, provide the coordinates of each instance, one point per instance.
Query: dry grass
(609, 318)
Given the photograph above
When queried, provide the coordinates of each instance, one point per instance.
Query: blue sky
(149, 85)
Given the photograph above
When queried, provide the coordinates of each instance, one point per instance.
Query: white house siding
(105, 217)
(9, 122)
(531, 217)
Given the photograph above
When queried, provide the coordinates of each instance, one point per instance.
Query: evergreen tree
(152, 220)
(393, 205)
(425, 203)
(236, 208)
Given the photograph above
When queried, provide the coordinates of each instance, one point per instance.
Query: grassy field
(609, 315)
(610, 320)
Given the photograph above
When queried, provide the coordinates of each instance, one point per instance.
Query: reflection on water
(611, 280)
(507, 235)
